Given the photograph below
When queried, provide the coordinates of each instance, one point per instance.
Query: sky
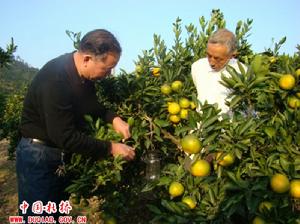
(38, 27)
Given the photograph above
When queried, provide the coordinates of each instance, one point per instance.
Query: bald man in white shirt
(206, 72)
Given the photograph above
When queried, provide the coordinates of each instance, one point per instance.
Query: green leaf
(154, 209)
(209, 121)
(161, 123)
(88, 118)
(235, 100)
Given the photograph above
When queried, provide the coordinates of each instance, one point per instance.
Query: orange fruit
(193, 105)
(225, 159)
(184, 103)
(265, 206)
(295, 188)
(138, 69)
(189, 201)
(166, 89)
(176, 189)
(293, 102)
(273, 59)
(184, 113)
(258, 220)
(280, 183)
(176, 86)
(298, 72)
(174, 118)
(191, 144)
(287, 82)
(173, 108)
(200, 168)
(156, 71)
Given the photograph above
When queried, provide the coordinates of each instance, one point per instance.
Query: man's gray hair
(224, 37)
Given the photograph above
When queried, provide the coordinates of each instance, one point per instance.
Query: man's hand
(123, 150)
(121, 127)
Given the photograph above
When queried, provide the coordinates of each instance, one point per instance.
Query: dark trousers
(36, 166)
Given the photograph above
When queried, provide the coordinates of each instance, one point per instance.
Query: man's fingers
(131, 153)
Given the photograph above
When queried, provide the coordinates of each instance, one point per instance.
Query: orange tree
(232, 168)
(258, 141)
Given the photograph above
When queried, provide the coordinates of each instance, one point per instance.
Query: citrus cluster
(288, 82)
(281, 184)
(176, 189)
(179, 110)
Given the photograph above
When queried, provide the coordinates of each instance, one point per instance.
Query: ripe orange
(176, 189)
(184, 113)
(265, 206)
(191, 144)
(176, 86)
(225, 160)
(166, 89)
(184, 103)
(258, 220)
(173, 108)
(174, 118)
(280, 183)
(295, 188)
(189, 201)
(287, 82)
(293, 102)
(200, 168)
(156, 71)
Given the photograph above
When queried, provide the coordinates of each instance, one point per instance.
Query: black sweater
(55, 105)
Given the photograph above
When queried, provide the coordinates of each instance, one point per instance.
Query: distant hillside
(16, 75)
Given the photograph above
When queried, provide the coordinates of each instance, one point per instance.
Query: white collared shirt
(207, 82)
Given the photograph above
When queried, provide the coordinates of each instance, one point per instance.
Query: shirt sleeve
(194, 71)
(60, 122)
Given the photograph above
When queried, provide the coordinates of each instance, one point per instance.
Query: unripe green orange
(265, 206)
(191, 144)
(293, 102)
(226, 159)
(189, 201)
(166, 89)
(176, 86)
